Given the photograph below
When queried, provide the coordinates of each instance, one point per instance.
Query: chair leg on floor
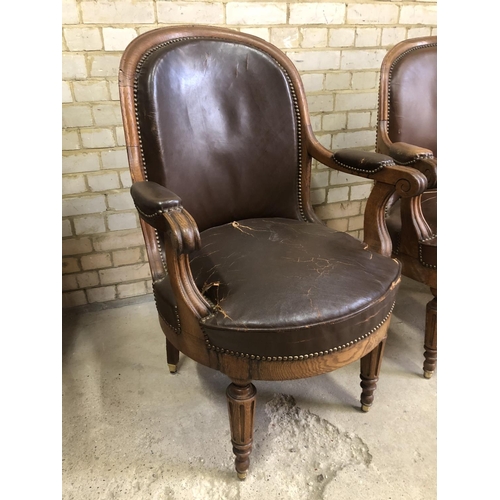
(172, 357)
(370, 369)
(241, 404)
(430, 344)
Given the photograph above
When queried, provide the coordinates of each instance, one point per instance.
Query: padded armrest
(406, 154)
(152, 200)
(362, 161)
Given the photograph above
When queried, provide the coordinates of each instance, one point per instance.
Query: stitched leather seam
(419, 156)
(382, 164)
(299, 357)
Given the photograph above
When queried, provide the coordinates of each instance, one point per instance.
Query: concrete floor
(133, 431)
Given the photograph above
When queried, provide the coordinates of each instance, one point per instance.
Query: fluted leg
(241, 404)
(370, 369)
(430, 344)
(172, 357)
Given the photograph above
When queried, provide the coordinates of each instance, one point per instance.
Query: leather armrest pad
(362, 161)
(404, 153)
(152, 199)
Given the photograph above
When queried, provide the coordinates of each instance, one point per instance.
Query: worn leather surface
(413, 99)
(282, 287)
(212, 136)
(362, 160)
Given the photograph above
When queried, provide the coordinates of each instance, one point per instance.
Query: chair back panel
(413, 98)
(219, 127)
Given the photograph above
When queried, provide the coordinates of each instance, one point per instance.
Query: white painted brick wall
(336, 46)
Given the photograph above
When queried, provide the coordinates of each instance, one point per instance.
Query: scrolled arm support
(419, 158)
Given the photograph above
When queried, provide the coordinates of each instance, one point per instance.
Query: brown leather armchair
(407, 131)
(246, 279)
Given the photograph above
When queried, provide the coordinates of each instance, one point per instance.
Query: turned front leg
(241, 404)
(430, 344)
(172, 357)
(370, 370)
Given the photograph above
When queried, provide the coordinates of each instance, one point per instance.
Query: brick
(87, 279)
(367, 37)
(66, 228)
(130, 256)
(114, 90)
(391, 36)
(320, 103)
(364, 80)
(83, 39)
(313, 81)
(258, 32)
(125, 178)
(124, 273)
(76, 246)
(338, 178)
(97, 138)
(317, 13)
(66, 92)
(319, 179)
(338, 224)
(325, 140)
(76, 115)
(316, 122)
(355, 223)
(418, 14)
(131, 289)
(116, 158)
(73, 184)
(117, 38)
(418, 32)
(73, 299)
(190, 12)
(85, 162)
(338, 194)
(89, 225)
(70, 265)
(339, 210)
(149, 286)
(83, 205)
(335, 121)
(285, 38)
(103, 181)
(107, 114)
(356, 101)
(117, 222)
(314, 37)
(73, 67)
(341, 37)
(70, 12)
(337, 81)
(96, 261)
(115, 241)
(372, 13)
(120, 136)
(362, 59)
(120, 201)
(101, 294)
(70, 140)
(114, 12)
(361, 192)
(316, 60)
(255, 13)
(358, 120)
(318, 196)
(104, 65)
(356, 139)
(91, 90)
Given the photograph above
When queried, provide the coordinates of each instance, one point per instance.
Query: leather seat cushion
(282, 287)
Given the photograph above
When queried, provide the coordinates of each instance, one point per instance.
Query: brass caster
(365, 408)
(242, 475)
(172, 368)
(427, 374)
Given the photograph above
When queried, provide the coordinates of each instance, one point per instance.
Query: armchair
(407, 132)
(246, 279)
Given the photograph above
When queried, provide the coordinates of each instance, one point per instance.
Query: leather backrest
(219, 127)
(413, 98)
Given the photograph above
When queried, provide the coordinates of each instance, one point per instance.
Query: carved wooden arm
(390, 179)
(420, 158)
(162, 210)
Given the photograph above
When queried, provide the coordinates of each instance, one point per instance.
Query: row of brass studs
(294, 358)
